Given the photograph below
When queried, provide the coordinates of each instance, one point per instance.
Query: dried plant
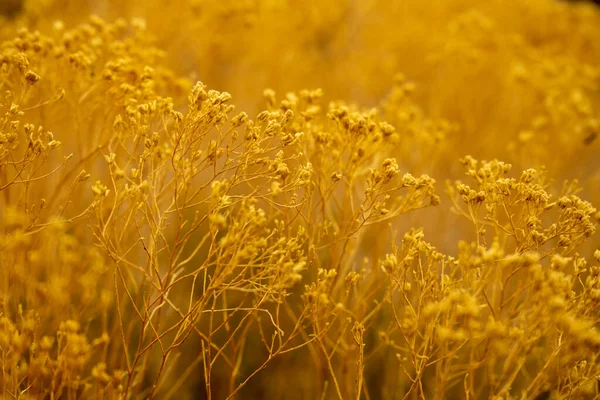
(157, 242)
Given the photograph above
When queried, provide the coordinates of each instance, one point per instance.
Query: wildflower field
(278, 199)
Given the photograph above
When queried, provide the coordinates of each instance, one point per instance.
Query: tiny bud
(31, 77)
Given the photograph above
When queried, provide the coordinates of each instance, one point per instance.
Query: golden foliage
(158, 243)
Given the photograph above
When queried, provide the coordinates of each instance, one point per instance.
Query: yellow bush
(158, 242)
